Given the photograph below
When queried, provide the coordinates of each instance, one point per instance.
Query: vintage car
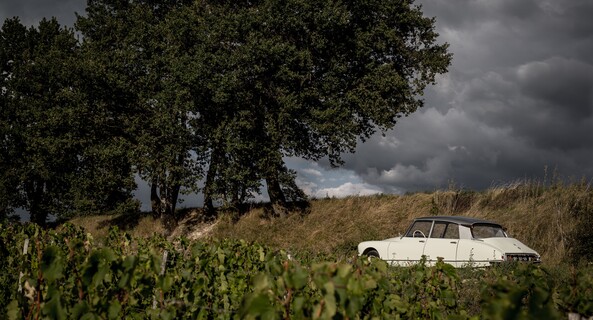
(460, 241)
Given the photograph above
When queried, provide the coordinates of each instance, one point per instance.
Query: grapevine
(66, 274)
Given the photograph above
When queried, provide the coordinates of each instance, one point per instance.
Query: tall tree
(315, 76)
(225, 127)
(58, 154)
(136, 42)
(12, 45)
(39, 113)
(105, 180)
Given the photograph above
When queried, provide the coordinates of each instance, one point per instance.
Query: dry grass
(332, 224)
(552, 219)
(547, 218)
(138, 226)
(544, 217)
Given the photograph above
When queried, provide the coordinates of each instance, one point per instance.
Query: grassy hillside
(555, 220)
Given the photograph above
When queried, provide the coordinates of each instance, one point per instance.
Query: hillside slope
(557, 220)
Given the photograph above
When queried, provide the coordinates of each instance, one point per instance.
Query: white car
(459, 241)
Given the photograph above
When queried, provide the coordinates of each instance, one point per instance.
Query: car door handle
(421, 241)
(453, 241)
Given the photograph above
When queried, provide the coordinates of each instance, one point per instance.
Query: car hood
(508, 245)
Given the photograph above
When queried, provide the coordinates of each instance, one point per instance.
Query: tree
(245, 84)
(314, 76)
(12, 44)
(105, 181)
(137, 44)
(58, 154)
(39, 113)
(224, 130)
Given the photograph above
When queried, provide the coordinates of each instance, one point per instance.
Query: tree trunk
(38, 214)
(171, 202)
(163, 199)
(209, 186)
(3, 211)
(277, 199)
(164, 202)
(208, 202)
(155, 200)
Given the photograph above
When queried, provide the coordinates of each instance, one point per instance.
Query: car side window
(438, 230)
(452, 231)
(420, 229)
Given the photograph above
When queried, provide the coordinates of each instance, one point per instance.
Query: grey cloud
(525, 9)
(475, 156)
(548, 103)
(501, 33)
(574, 17)
(518, 99)
(30, 12)
(429, 150)
(564, 85)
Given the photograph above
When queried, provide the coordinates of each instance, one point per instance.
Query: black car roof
(457, 219)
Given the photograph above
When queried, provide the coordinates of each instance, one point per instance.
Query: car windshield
(420, 229)
(481, 231)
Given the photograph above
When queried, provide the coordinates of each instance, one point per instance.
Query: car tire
(372, 253)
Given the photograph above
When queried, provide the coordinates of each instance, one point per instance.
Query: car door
(409, 248)
(442, 242)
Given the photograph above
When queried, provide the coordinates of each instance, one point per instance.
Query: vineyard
(65, 274)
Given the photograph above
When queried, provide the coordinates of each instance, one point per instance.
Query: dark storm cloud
(488, 33)
(459, 14)
(548, 103)
(564, 86)
(518, 99)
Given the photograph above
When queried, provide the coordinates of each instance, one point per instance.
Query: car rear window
(481, 231)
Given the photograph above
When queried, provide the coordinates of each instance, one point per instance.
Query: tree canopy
(54, 156)
(206, 95)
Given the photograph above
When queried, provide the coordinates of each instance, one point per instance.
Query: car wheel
(372, 253)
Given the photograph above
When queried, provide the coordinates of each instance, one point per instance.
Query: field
(304, 265)
(553, 218)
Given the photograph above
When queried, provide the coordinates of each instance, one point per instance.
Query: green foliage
(65, 275)
(168, 90)
(312, 77)
(51, 158)
(576, 296)
(145, 59)
(519, 291)
(581, 241)
(39, 114)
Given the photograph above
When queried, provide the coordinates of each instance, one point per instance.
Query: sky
(516, 104)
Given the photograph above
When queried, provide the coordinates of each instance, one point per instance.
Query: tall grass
(552, 217)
